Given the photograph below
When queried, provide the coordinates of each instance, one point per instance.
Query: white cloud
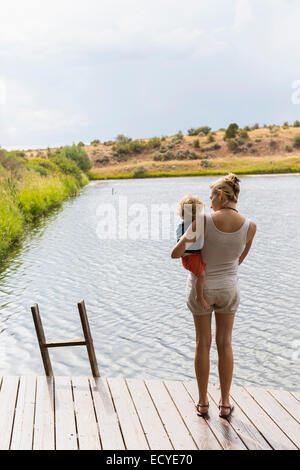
(139, 67)
(132, 28)
(22, 115)
(2, 91)
(243, 14)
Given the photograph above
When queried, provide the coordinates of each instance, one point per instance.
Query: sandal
(222, 415)
(201, 413)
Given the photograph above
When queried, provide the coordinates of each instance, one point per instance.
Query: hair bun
(232, 179)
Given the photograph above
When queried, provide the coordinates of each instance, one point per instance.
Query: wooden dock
(135, 414)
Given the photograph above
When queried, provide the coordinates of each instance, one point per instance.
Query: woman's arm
(188, 237)
(250, 237)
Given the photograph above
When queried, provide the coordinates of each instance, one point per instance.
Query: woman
(227, 241)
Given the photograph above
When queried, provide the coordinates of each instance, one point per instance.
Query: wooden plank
(88, 434)
(288, 401)
(242, 425)
(65, 427)
(44, 429)
(8, 400)
(296, 395)
(153, 427)
(110, 433)
(132, 430)
(221, 427)
(175, 427)
(65, 342)
(198, 427)
(281, 417)
(266, 426)
(22, 435)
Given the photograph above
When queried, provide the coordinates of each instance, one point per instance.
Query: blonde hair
(229, 184)
(187, 206)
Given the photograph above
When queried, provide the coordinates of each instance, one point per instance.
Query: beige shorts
(225, 300)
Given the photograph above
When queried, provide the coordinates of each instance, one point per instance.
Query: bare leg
(224, 325)
(203, 343)
(199, 291)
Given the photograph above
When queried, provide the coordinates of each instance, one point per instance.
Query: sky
(73, 70)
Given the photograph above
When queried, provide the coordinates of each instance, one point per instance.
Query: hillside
(266, 149)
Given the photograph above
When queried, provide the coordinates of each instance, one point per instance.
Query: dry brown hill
(258, 148)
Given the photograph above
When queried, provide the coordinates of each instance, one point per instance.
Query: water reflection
(135, 293)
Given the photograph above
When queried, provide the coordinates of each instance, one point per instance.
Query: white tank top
(221, 252)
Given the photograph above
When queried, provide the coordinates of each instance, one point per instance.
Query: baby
(188, 207)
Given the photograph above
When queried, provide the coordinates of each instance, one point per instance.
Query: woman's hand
(250, 237)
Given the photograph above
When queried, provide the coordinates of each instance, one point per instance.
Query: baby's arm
(179, 249)
(196, 230)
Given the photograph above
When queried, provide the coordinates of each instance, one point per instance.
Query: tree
(231, 131)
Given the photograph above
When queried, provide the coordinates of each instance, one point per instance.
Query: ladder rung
(66, 342)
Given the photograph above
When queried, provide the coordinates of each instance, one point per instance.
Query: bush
(177, 139)
(164, 156)
(157, 156)
(186, 155)
(206, 164)
(154, 143)
(256, 126)
(231, 131)
(80, 144)
(192, 131)
(297, 124)
(103, 161)
(140, 172)
(120, 156)
(196, 143)
(136, 146)
(243, 134)
(232, 144)
(122, 138)
(78, 155)
(171, 144)
(210, 138)
(205, 130)
(273, 145)
(297, 142)
(95, 142)
(11, 162)
(216, 147)
(133, 146)
(288, 148)
(68, 167)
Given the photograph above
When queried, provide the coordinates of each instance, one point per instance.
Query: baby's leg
(199, 290)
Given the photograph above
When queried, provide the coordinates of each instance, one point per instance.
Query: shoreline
(94, 177)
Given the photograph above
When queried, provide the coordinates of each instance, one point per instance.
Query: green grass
(11, 220)
(255, 170)
(27, 195)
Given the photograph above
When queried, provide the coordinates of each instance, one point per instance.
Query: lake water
(135, 293)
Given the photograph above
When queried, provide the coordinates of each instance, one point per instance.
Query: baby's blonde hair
(187, 206)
